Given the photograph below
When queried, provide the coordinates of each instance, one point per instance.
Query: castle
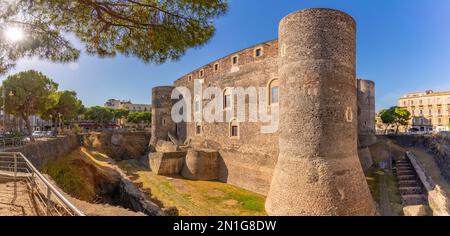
(310, 165)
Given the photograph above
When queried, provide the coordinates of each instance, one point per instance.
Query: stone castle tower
(162, 123)
(311, 165)
(318, 171)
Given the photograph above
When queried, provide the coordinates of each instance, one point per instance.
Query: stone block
(201, 165)
(166, 163)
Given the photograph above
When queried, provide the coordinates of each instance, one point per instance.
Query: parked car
(38, 134)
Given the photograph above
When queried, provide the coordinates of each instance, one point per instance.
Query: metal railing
(48, 201)
(12, 142)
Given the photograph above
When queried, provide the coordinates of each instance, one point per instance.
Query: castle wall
(246, 161)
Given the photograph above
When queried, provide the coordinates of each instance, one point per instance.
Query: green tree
(28, 94)
(120, 114)
(65, 106)
(396, 116)
(153, 31)
(101, 115)
(139, 117)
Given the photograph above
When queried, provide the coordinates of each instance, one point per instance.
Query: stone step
(403, 165)
(402, 161)
(413, 199)
(406, 177)
(410, 190)
(408, 183)
(407, 172)
(405, 169)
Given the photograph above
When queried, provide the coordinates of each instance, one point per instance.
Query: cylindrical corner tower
(162, 122)
(366, 113)
(318, 171)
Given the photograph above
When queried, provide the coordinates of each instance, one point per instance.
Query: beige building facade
(430, 111)
(128, 105)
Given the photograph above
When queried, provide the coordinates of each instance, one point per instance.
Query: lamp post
(4, 106)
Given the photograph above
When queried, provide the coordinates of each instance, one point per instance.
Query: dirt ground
(15, 201)
(196, 198)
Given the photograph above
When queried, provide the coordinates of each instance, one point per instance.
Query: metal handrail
(12, 142)
(51, 190)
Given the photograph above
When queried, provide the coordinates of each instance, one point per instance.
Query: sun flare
(14, 34)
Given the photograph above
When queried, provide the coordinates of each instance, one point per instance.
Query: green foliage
(65, 105)
(28, 93)
(71, 174)
(76, 129)
(396, 116)
(121, 113)
(101, 115)
(139, 117)
(153, 31)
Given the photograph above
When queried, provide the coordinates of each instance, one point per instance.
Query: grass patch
(395, 198)
(373, 180)
(72, 176)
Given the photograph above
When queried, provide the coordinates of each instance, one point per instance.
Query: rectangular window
(198, 129)
(258, 52)
(234, 131)
(216, 67)
(235, 60)
(202, 73)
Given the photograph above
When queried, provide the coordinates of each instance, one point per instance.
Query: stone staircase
(409, 184)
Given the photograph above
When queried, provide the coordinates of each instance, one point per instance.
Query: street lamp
(4, 106)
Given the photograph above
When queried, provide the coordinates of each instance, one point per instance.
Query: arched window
(234, 128)
(274, 95)
(198, 128)
(227, 99)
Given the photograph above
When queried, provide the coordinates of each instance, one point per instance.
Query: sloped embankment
(92, 177)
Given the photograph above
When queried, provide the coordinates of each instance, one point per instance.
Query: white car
(38, 134)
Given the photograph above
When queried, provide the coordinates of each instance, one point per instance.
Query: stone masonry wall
(246, 161)
(118, 145)
(41, 152)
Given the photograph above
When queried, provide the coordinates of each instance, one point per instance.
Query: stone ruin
(311, 165)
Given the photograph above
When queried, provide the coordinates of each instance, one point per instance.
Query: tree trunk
(396, 129)
(29, 128)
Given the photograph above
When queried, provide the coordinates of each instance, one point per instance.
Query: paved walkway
(15, 200)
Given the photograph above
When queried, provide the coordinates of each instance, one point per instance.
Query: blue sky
(403, 45)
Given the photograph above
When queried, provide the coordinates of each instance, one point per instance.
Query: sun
(14, 34)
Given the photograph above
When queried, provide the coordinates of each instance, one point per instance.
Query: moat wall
(118, 145)
(42, 152)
